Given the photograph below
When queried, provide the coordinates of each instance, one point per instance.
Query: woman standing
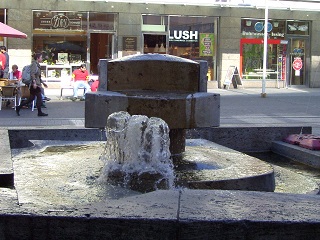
(35, 86)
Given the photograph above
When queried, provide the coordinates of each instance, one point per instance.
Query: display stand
(233, 77)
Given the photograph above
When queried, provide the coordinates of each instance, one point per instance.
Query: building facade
(75, 32)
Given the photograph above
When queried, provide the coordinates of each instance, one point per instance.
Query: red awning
(7, 31)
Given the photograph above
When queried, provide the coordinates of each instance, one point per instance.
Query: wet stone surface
(61, 175)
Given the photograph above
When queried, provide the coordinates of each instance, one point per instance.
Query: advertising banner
(206, 45)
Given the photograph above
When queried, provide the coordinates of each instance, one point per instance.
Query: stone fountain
(173, 89)
(169, 214)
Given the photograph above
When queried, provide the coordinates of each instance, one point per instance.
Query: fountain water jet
(137, 153)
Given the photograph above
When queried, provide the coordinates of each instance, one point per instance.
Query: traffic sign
(297, 64)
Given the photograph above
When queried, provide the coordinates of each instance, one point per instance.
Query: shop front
(71, 38)
(184, 36)
(287, 54)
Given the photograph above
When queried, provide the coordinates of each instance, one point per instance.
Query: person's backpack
(26, 74)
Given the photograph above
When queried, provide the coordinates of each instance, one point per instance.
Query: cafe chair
(24, 94)
(8, 93)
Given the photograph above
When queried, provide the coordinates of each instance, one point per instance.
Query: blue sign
(259, 27)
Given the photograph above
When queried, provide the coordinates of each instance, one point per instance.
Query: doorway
(298, 60)
(101, 47)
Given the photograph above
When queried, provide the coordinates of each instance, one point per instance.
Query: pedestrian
(5, 67)
(80, 78)
(35, 86)
(15, 75)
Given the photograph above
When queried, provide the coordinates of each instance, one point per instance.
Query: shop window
(154, 23)
(102, 21)
(298, 27)
(52, 46)
(65, 34)
(154, 43)
(193, 38)
(251, 59)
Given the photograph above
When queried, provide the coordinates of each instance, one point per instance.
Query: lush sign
(183, 36)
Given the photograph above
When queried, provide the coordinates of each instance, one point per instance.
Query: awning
(7, 31)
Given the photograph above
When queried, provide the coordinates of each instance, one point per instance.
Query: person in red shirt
(80, 78)
(16, 74)
(2, 64)
(94, 86)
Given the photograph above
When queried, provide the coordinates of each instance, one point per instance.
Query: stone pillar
(103, 74)
(177, 141)
(203, 78)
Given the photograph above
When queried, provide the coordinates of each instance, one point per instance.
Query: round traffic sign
(297, 64)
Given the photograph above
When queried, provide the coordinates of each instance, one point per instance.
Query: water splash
(137, 152)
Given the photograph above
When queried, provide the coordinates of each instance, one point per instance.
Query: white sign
(184, 36)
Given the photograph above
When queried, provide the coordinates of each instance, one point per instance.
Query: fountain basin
(218, 167)
(170, 214)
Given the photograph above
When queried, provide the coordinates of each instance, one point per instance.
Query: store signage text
(60, 22)
(184, 36)
(129, 43)
(260, 34)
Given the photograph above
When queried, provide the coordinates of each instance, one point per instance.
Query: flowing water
(281, 163)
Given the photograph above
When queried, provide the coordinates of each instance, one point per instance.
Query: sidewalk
(281, 107)
(61, 113)
(239, 107)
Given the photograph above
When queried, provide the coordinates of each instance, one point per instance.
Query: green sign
(206, 44)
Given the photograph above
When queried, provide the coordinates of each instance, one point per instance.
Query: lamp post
(265, 50)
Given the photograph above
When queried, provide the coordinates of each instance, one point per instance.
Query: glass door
(298, 61)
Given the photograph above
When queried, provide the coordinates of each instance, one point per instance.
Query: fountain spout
(137, 153)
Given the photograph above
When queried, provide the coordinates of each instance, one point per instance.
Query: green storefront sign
(206, 44)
